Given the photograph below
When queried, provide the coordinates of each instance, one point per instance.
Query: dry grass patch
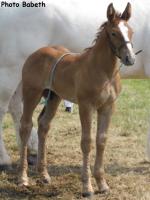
(127, 172)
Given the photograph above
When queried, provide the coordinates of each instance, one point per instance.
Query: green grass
(134, 107)
(127, 172)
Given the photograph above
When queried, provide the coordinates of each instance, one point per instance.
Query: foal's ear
(111, 12)
(127, 12)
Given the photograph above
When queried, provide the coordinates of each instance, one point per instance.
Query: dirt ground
(127, 170)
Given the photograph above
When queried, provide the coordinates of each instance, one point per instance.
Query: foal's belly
(71, 98)
(66, 93)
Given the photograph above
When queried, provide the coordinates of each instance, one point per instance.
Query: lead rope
(45, 102)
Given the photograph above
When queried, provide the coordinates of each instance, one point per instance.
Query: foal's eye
(113, 34)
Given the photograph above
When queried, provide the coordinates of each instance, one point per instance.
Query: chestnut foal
(90, 79)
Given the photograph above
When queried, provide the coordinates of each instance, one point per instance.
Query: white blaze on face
(124, 30)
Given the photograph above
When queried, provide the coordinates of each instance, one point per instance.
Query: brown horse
(90, 79)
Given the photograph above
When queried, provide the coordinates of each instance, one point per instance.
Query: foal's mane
(100, 30)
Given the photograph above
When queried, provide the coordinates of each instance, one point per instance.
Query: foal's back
(37, 69)
(38, 65)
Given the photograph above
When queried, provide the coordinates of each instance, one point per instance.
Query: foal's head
(120, 34)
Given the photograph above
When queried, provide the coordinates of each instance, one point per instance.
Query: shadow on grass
(65, 177)
(68, 178)
(54, 170)
(11, 192)
(60, 170)
(115, 169)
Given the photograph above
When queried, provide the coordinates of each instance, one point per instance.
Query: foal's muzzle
(129, 60)
(129, 57)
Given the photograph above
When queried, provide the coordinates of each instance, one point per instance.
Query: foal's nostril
(127, 59)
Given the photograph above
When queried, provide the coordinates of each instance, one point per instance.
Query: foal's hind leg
(43, 126)
(30, 100)
(16, 109)
(103, 121)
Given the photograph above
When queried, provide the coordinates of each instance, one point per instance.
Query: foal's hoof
(87, 194)
(5, 167)
(32, 159)
(104, 189)
(45, 179)
(23, 182)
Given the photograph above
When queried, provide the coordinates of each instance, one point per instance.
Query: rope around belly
(45, 102)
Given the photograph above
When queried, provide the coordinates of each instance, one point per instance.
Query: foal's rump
(38, 65)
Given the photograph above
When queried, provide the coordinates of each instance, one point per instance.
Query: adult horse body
(90, 79)
(23, 30)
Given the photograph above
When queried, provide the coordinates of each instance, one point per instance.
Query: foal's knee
(101, 141)
(86, 144)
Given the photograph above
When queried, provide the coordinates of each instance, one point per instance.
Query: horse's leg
(103, 120)
(85, 112)
(44, 121)
(68, 106)
(5, 161)
(15, 109)
(31, 98)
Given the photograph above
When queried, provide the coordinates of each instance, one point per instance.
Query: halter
(116, 50)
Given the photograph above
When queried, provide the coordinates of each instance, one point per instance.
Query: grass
(127, 172)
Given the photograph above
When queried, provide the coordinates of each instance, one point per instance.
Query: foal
(90, 79)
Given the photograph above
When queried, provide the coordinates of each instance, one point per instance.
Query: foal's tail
(46, 93)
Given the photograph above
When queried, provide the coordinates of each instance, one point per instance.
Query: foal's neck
(103, 59)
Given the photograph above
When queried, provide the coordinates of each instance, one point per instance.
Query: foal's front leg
(85, 112)
(103, 120)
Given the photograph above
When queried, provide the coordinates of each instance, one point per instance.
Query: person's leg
(68, 106)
